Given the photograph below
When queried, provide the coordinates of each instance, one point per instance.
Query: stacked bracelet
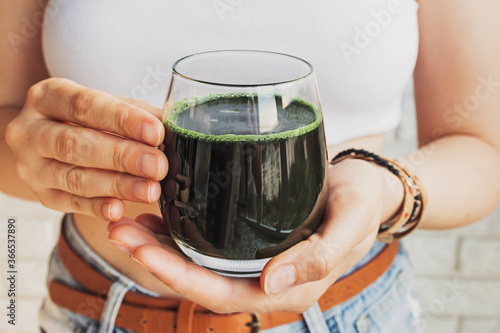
(414, 201)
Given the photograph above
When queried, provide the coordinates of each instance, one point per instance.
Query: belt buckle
(255, 323)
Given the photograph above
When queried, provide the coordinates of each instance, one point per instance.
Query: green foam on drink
(171, 118)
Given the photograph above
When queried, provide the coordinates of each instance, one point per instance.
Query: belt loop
(185, 317)
(315, 321)
(113, 302)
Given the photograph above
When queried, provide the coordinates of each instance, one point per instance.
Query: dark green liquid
(238, 189)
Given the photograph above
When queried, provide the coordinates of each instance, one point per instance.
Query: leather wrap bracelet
(414, 202)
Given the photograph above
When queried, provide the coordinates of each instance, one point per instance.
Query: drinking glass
(247, 158)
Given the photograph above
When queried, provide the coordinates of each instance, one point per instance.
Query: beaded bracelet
(414, 201)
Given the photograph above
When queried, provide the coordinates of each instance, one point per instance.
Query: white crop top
(363, 51)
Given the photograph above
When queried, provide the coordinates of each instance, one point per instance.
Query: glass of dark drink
(246, 148)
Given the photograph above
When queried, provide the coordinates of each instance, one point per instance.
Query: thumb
(346, 223)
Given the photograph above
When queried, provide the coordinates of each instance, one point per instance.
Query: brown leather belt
(142, 313)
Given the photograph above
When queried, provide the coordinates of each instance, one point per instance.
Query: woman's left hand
(361, 195)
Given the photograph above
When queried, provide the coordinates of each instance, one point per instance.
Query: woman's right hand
(85, 151)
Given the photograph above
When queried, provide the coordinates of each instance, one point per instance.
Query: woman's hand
(361, 195)
(85, 151)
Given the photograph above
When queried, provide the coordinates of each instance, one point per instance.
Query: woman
(110, 60)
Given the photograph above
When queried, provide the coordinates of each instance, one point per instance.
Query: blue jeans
(388, 305)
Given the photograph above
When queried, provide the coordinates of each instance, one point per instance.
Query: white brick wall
(473, 262)
(457, 272)
(481, 325)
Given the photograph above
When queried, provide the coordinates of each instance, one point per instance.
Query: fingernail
(149, 165)
(141, 264)
(111, 211)
(148, 133)
(120, 246)
(154, 192)
(141, 190)
(280, 279)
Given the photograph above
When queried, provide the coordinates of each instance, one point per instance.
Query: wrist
(411, 209)
(393, 194)
(374, 183)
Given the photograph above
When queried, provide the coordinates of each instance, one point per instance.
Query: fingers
(157, 112)
(215, 292)
(149, 222)
(130, 234)
(99, 147)
(194, 282)
(219, 293)
(190, 232)
(90, 182)
(352, 217)
(346, 224)
(110, 209)
(174, 162)
(153, 222)
(169, 187)
(171, 267)
(67, 101)
(89, 148)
